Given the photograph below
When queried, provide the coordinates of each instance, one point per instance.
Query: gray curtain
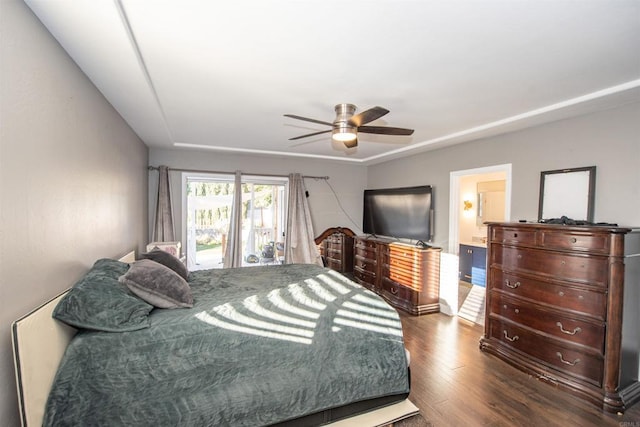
(163, 229)
(233, 252)
(299, 247)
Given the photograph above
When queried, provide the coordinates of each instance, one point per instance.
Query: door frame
(454, 219)
(214, 176)
(454, 198)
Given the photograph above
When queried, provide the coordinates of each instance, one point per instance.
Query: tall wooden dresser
(336, 248)
(407, 276)
(563, 305)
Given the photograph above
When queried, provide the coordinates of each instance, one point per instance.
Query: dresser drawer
(399, 291)
(364, 276)
(364, 263)
(513, 236)
(366, 252)
(580, 268)
(581, 301)
(334, 247)
(364, 243)
(584, 242)
(409, 261)
(404, 252)
(549, 322)
(334, 264)
(568, 359)
(334, 252)
(404, 277)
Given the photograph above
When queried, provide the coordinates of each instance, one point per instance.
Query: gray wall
(610, 140)
(347, 180)
(73, 183)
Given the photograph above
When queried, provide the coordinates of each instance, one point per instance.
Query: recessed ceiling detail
(197, 74)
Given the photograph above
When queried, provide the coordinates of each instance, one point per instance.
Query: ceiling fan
(346, 126)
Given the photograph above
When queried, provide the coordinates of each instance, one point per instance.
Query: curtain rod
(155, 168)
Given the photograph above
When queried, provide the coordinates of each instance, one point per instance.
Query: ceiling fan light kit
(343, 133)
(343, 130)
(346, 126)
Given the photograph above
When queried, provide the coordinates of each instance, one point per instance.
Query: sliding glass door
(209, 200)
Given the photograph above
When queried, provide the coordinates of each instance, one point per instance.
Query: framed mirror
(567, 192)
(490, 201)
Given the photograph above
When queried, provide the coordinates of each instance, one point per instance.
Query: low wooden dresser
(563, 305)
(405, 275)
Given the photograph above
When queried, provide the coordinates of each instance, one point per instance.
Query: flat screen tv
(401, 213)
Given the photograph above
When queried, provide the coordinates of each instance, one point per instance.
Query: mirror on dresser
(567, 192)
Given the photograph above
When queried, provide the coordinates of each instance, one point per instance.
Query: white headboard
(39, 342)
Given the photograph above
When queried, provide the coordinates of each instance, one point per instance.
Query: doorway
(476, 196)
(208, 206)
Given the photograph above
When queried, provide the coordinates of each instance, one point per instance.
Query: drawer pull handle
(506, 335)
(509, 285)
(574, 240)
(561, 293)
(566, 362)
(564, 331)
(394, 291)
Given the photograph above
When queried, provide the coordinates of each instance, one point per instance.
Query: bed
(268, 345)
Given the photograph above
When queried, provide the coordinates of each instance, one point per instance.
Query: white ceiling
(220, 75)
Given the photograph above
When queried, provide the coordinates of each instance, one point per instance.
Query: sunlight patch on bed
(277, 300)
(300, 296)
(253, 304)
(211, 320)
(334, 284)
(229, 312)
(370, 300)
(291, 313)
(392, 323)
(320, 290)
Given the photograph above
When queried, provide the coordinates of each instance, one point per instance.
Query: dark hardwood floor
(455, 384)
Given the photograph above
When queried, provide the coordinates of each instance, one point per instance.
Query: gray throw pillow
(168, 260)
(99, 302)
(158, 285)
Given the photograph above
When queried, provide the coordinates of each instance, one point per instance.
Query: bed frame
(39, 342)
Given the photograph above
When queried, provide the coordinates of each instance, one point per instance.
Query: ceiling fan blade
(306, 119)
(310, 134)
(351, 144)
(385, 130)
(368, 116)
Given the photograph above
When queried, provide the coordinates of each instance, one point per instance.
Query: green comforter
(261, 345)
